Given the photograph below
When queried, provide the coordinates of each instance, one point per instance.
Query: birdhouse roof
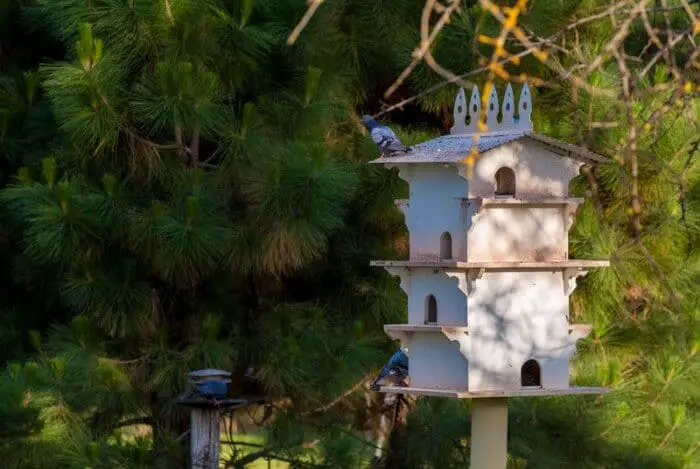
(454, 148)
(457, 146)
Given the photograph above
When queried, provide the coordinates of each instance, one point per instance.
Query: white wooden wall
(435, 207)
(518, 233)
(450, 295)
(435, 362)
(538, 171)
(513, 317)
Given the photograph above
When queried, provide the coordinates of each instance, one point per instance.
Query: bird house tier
(488, 276)
(480, 326)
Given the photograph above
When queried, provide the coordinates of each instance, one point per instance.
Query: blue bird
(396, 369)
(385, 138)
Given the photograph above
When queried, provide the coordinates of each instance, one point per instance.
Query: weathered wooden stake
(489, 448)
(207, 399)
(204, 438)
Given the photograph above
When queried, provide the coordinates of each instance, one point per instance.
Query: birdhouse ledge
(522, 392)
(496, 265)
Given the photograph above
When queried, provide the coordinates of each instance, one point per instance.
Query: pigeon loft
(489, 275)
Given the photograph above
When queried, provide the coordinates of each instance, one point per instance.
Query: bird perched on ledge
(396, 369)
(385, 138)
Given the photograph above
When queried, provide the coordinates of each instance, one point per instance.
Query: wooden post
(204, 438)
(207, 400)
(489, 447)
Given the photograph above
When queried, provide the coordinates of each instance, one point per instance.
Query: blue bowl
(215, 389)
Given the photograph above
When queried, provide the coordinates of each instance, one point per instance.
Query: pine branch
(178, 146)
(682, 195)
(144, 420)
(668, 435)
(252, 457)
(340, 398)
(158, 146)
(427, 39)
(169, 12)
(241, 443)
(313, 6)
(631, 146)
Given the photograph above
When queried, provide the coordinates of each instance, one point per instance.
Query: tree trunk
(194, 149)
(182, 149)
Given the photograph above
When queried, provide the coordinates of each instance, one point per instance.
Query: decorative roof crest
(509, 121)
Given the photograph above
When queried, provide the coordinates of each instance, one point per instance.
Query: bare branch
(427, 39)
(340, 398)
(313, 6)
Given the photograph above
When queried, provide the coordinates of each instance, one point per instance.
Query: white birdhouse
(489, 275)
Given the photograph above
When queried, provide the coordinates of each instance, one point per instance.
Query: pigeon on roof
(385, 138)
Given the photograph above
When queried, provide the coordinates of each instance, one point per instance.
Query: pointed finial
(514, 119)
(508, 109)
(474, 110)
(460, 113)
(492, 109)
(525, 108)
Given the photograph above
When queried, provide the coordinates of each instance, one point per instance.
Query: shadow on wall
(510, 348)
(517, 342)
(517, 234)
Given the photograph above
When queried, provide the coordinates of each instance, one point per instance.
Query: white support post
(489, 447)
(204, 438)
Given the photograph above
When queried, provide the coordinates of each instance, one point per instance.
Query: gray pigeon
(385, 138)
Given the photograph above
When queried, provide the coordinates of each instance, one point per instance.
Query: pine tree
(202, 206)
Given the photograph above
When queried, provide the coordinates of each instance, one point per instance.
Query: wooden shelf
(521, 392)
(533, 201)
(423, 327)
(439, 328)
(569, 205)
(489, 265)
(404, 333)
(486, 201)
